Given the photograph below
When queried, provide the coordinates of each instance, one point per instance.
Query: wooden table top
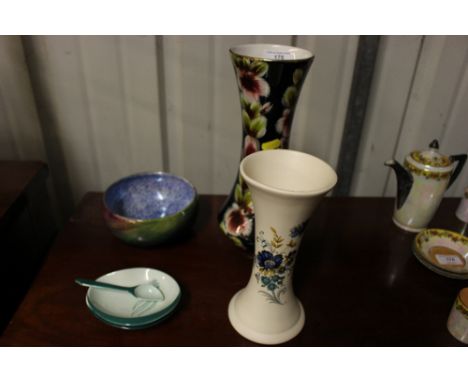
(355, 275)
(15, 177)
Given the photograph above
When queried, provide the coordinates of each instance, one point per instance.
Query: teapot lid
(431, 159)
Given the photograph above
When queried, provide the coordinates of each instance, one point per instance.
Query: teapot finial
(434, 144)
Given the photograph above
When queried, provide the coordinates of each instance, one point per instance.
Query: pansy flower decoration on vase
(269, 79)
(266, 310)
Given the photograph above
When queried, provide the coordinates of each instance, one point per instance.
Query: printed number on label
(279, 55)
(448, 260)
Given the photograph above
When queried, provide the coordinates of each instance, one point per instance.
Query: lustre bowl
(150, 208)
(442, 251)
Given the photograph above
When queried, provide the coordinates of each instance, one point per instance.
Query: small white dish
(442, 251)
(123, 310)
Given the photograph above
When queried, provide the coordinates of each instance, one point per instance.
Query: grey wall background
(97, 108)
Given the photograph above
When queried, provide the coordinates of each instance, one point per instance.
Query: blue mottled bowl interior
(149, 196)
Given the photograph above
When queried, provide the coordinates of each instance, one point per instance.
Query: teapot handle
(461, 159)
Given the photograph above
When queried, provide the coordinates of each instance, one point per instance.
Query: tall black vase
(269, 78)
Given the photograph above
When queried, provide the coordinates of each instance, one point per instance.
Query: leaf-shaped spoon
(146, 291)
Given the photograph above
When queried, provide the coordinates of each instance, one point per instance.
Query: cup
(462, 210)
(286, 186)
(457, 323)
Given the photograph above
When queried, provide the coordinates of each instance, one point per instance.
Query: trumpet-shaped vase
(269, 79)
(286, 186)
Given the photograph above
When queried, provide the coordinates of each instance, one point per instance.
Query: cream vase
(286, 187)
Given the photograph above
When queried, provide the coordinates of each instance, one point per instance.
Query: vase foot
(405, 227)
(262, 337)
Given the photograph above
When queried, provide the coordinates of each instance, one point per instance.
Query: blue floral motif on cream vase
(275, 261)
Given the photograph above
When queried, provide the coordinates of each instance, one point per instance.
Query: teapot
(421, 183)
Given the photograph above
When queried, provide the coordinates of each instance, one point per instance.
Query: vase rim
(328, 173)
(272, 52)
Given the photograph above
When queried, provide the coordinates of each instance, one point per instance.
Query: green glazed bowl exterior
(149, 232)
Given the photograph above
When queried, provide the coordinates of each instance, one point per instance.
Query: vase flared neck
(272, 52)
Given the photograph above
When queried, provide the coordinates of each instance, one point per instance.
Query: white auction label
(448, 260)
(278, 55)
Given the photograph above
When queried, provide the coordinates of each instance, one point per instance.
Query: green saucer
(140, 323)
(123, 310)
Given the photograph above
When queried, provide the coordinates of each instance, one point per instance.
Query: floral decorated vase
(269, 78)
(286, 186)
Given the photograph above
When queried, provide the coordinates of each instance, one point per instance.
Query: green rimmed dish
(123, 310)
(144, 323)
(443, 252)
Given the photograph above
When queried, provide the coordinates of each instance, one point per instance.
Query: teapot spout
(404, 181)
